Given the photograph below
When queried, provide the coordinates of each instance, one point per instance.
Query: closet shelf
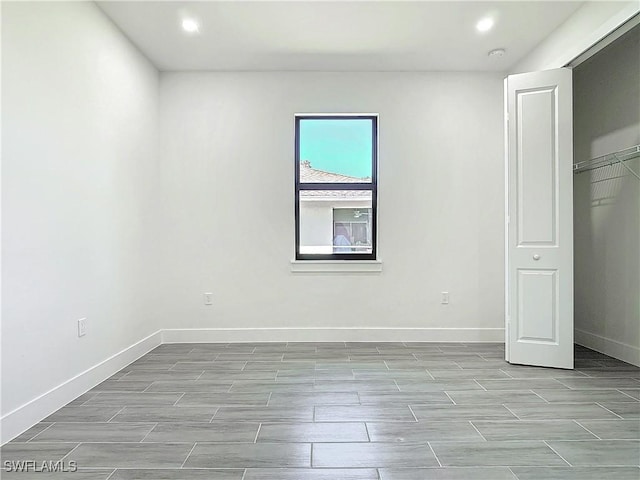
(610, 159)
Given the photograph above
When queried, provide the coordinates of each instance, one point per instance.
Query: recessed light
(498, 52)
(485, 24)
(190, 25)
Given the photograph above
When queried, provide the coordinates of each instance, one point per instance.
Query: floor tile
(492, 356)
(231, 376)
(163, 366)
(124, 399)
(357, 413)
(304, 376)
(451, 356)
(404, 398)
(350, 366)
(613, 429)
(264, 414)
(217, 365)
(355, 386)
(14, 451)
(593, 383)
(558, 411)
(474, 364)
(515, 384)
(156, 362)
(94, 432)
(439, 386)
(249, 386)
(583, 396)
(310, 474)
(134, 455)
(469, 454)
(238, 348)
(181, 386)
(199, 365)
(452, 473)
(98, 474)
(250, 455)
(250, 357)
(173, 348)
(402, 375)
(252, 366)
(81, 399)
(352, 405)
(599, 452)
(32, 432)
(83, 414)
(630, 372)
(372, 455)
(313, 432)
(222, 399)
(154, 375)
(466, 373)
(632, 393)
(365, 357)
(301, 398)
(316, 357)
(495, 397)
(203, 432)
(165, 414)
(523, 372)
(532, 430)
(625, 410)
(576, 473)
(422, 432)
(461, 412)
(177, 474)
(420, 365)
(122, 386)
(404, 349)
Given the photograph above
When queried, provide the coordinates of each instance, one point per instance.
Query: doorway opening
(606, 199)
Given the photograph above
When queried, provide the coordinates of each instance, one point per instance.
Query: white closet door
(540, 219)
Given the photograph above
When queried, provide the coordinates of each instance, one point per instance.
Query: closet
(606, 199)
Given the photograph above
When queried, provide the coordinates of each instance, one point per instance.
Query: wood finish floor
(345, 411)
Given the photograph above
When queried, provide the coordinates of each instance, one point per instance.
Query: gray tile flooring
(345, 411)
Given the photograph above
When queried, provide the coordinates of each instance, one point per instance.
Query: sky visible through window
(338, 146)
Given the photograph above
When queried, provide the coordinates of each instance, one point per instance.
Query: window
(336, 187)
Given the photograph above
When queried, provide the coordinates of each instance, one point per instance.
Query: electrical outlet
(445, 298)
(82, 327)
(208, 298)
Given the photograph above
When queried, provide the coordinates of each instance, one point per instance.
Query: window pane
(335, 221)
(335, 150)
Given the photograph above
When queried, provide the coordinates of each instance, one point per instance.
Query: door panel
(540, 219)
(537, 306)
(536, 167)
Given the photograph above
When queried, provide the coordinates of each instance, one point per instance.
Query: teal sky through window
(337, 145)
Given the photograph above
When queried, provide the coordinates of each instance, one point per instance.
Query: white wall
(227, 147)
(588, 25)
(607, 204)
(79, 177)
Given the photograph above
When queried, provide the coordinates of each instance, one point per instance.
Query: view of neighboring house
(328, 217)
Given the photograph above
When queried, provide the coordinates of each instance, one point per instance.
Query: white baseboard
(24, 417)
(621, 351)
(331, 334)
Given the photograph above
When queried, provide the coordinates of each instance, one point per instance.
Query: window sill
(336, 266)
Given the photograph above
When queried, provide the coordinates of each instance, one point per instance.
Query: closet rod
(610, 159)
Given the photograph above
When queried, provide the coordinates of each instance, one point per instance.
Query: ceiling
(336, 35)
